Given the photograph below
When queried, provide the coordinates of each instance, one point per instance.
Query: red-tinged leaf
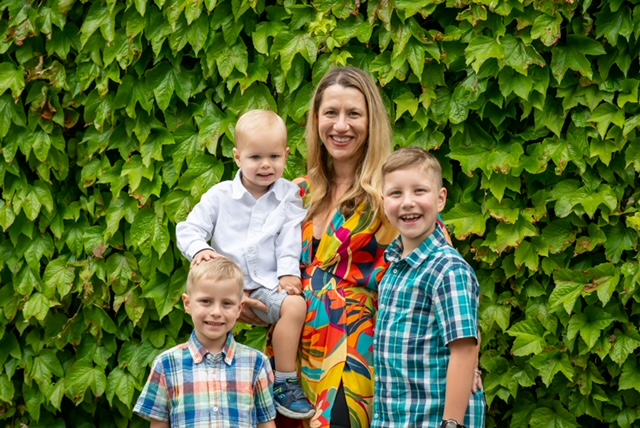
(134, 306)
(547, 28)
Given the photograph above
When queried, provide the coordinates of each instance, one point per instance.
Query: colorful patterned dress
(340, 284)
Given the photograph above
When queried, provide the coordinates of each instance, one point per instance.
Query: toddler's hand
(291, 284)
(204, 256)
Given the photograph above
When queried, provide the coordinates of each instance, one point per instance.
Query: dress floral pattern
(340, 285)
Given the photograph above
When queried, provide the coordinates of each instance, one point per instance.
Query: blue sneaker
(291, 400)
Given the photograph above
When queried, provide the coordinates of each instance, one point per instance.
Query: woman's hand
(247, 315)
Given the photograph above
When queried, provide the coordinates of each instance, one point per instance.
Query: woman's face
(343, 123)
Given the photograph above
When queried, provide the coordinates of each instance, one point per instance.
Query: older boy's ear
(442, 199)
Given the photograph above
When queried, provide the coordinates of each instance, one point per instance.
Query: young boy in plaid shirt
(425, 347)
(211, 380)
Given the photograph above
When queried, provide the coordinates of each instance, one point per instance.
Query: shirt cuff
(288, 266)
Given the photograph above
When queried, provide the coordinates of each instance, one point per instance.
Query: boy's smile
(214, 306)
(412, 201)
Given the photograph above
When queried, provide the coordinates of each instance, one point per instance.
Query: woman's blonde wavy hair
(367, 185)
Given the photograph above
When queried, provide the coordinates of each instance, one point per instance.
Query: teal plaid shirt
(190, 387)
(426, 300)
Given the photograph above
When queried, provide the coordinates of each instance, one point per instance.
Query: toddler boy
(427, 326)
(255, 220)
(211, 380)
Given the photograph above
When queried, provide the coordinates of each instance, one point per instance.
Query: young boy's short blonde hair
(412, 157)
(220, 268)
(259, 122)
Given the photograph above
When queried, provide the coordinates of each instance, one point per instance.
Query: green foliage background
(115, 116)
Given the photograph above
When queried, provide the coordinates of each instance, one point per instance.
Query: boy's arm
(161, 424)
(460, 376)
(194, 234)
(270, 424)
(289, 239)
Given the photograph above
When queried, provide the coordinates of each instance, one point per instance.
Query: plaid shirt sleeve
(153, 401)
(263, 391)
(456, 303)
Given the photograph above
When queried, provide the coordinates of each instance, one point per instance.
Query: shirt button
(215, 409)
(375, 341)
(395, 271)
(381, 305)
(375, 416)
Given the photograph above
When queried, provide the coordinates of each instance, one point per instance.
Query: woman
(344, 236)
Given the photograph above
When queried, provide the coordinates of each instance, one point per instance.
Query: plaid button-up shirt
(190, 387)
(426, 300)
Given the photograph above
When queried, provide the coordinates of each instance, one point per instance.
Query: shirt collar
(199, 352)
(279, 188)
(393, 253)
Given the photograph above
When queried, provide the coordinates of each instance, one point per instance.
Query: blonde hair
(412, 157)
(219, 269)
(367, 184)
(259, 122)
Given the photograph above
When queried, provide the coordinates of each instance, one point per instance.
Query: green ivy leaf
(529, 336)
(120, 384)
(58, 277)
(406, 102)
(630, 376)
(612, 24)
(149, 231)
(121, 207)
(604, 115)
(298, 44)
(165, 80)
(572, 56)
(549, 364)
(98, 16)
(589, 324)
(482, 48)
(625, 344)
(619, 240)
(44, 366)
(568, 287)
(38, 306)
(83, 375)
(166, 294)
(121, 269)
(11, 78)
(547, 28)
(553, 417)
(466, 218)
(519, 56)
(7, 392)
(525, 255)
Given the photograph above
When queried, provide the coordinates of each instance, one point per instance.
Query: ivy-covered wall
(115, 116)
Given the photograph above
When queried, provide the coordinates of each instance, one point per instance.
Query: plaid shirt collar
(199, 352)
(393, 253)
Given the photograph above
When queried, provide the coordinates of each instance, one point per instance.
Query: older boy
(427, 327)
(256, 221)
(211, 380)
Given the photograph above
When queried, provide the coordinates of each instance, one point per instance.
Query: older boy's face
(214, 306)
(412, 201)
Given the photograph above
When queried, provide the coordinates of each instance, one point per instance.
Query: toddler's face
(262, 159)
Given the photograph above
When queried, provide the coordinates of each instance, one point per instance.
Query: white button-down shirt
(263, 236)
